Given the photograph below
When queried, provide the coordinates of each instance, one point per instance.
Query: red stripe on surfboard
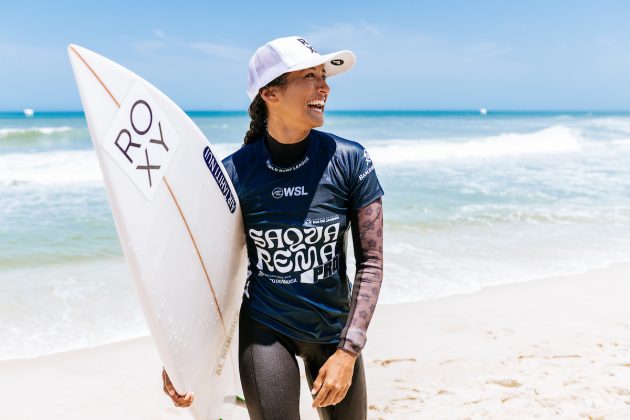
(205, 271)
(96, 75)
(181, 213)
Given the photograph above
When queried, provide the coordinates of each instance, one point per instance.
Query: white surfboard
(179, 223)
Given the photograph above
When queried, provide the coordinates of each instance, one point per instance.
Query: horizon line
(428, 110)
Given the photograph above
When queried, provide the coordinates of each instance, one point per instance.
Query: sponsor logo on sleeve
(141, 140)
(370, 168)
(366, 173)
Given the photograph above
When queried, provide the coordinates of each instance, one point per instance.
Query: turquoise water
(471, 201)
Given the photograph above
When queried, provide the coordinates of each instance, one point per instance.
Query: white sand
(552, 348)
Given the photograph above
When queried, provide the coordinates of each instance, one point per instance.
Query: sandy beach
(551, 348)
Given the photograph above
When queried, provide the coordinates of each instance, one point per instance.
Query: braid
(258, 112)
(258, 124)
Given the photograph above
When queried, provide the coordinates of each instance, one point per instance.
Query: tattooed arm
(367, 237)
(336, 373)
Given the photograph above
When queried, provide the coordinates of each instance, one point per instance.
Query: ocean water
(471, 201)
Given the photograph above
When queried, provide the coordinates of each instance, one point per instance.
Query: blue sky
(411, 55)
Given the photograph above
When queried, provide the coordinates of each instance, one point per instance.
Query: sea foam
(81, 166)
(65, 167)
(11, 133)
(555, 139)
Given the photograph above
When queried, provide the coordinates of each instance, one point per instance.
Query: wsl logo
(278, 192)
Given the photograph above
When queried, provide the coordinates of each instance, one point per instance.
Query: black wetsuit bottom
(271, 378)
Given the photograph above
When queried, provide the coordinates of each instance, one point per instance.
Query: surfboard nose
(78, 53)
(75, 52)
(73, 49)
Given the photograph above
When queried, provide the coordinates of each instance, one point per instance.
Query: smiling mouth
(316, 105)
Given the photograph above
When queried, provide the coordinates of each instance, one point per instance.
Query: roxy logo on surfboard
(141, 140)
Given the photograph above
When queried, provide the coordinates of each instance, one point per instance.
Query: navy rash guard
(296, 223)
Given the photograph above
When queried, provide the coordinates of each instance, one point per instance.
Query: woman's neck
(286, 154)
(285, 133)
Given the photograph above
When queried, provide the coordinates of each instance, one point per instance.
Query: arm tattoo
(367, 237)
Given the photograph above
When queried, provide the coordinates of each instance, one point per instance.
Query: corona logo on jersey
(304, 254)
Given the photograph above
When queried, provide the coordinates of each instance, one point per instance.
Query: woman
(300, 189)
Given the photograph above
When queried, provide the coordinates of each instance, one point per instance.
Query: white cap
(292, 53)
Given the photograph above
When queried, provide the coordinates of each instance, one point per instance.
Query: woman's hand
(178, 400)
(334, 379)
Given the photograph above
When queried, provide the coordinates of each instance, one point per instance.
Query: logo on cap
(336, 62)
(307, 45)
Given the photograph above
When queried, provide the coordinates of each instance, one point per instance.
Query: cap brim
(334, 63)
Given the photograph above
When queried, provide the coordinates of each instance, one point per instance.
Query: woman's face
(300, 101)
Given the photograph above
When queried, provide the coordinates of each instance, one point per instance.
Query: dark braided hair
(258, 112)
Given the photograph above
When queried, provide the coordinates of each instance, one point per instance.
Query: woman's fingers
(336, 395)
(330, 394)
(318, 382)
(333, 396)
(318, 390)
(322, 394)
(178, 400)
(185, 400)
(342, 395)
(168, 386)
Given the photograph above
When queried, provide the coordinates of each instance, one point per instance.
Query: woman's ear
(269, 94)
